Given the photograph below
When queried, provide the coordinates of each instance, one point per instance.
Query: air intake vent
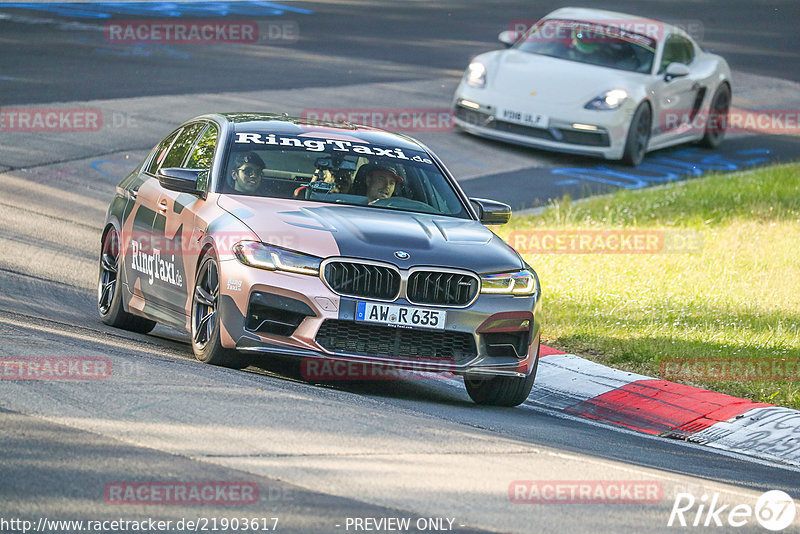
(362, 280)
(275, 314)
(442, 288)
(381, 341)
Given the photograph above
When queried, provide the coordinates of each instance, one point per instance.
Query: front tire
(717, 117)
(205, 332)
(502, 390)
(109, 294)
(638, 136)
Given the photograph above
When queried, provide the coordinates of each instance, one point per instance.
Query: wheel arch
(645, 99)
(724, 83)
(113, 224)
(653, 123)
(110, 224)
(721, 80)
(208, 245)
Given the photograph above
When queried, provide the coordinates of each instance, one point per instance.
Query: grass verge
(711, 297)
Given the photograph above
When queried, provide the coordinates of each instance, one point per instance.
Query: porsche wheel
(109, 297)
(717, 117)
(638, 136)
(501, 390)
(206, 319)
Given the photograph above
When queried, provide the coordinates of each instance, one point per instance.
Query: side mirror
(182, 180)
(676, 70)
(508, 38)
(491, 211)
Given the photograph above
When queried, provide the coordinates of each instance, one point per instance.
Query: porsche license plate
(525, 118)
(404, 316)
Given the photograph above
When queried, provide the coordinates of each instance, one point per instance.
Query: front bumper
(605, 138)
(297, 315)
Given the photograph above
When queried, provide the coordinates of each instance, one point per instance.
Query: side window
(677, 49)
(203, 152)
(161, 151)
(181, 146)
(689, 51)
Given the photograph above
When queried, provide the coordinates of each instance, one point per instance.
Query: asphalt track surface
(379, 41)
(318, 453)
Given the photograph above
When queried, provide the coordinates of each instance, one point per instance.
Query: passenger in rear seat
(341, 178)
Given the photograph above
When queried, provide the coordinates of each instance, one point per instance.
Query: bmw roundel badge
(402, 255)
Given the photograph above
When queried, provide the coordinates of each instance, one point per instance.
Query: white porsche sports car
(597, 83)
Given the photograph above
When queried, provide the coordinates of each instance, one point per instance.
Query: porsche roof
(602, 16)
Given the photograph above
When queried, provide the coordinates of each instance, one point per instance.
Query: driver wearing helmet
(584, 41)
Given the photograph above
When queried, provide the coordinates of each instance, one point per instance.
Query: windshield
(333, 171)
(587, 42)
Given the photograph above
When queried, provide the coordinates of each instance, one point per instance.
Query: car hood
(372, 233)
(552, 81)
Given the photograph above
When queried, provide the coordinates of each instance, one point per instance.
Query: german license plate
(526, 118)
(404, 316)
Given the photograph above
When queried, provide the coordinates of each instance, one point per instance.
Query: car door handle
(133, 193)
(162, 206)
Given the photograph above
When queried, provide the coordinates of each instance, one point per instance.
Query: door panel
(174, 222)
(676, 104)
(177, 253)
(677, 97)
(138, 264)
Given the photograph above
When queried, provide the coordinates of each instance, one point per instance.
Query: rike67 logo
(775, 510)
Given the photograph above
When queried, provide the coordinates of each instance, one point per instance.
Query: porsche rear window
(587, 42)
(338, 172)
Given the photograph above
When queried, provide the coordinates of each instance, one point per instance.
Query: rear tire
(638, 135)
(717, 117)
(109, 294)
(502, 390)
(205, 319)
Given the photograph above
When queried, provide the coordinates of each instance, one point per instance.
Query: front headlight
(518, 283)
(476, 74)
(609, 100)
(263, 256)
